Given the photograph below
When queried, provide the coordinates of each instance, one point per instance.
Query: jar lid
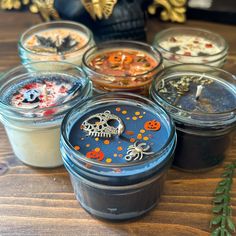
(41, 89)
(118, 135)
(198, 95)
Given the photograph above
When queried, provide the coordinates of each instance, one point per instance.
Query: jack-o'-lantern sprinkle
(95, 154)
(152, 125)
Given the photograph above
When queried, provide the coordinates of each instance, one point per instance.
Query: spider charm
(137, 151)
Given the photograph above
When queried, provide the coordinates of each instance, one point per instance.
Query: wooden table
(41, 202)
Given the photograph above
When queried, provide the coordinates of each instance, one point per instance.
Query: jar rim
(20, 111)
(125, 44)
(89, 34)
(228, 117)
(117, 96)
(156, 42)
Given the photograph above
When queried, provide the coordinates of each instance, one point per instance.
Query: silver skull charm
(100, 125)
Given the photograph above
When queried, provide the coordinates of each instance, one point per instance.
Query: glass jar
(55, 41)
(117, 148)
(127, 66)
(33, 129)
(191, 45)
(202, 102)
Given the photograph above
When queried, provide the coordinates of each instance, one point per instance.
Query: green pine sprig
(222, 223)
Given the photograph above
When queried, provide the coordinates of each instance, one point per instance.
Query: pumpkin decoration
(116, 58)
(95, 154)
(152, 125)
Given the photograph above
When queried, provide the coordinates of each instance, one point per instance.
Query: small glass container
(191, 45)
(33, 104)
(127, 66)
(202, 102)
(117, 148)
(55, 41)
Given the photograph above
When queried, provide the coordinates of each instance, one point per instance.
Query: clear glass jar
(112, 187)
(191, 45)
(31, 50)
(34, 133)
(138, 83)
(204, 119)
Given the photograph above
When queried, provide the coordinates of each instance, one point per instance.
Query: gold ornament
(45, 8)
(174, 10)
(12, 4)
(99, 8)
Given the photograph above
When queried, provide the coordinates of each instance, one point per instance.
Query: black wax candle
(117, 149)
(202, 101)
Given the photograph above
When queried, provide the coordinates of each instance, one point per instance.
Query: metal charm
(31, 96)
(99, 125)
(137, 151)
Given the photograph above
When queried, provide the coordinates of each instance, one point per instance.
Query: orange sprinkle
(108, 160)
(77, 148)
(124, 112)
(134, 118)
(97, 149)
(120, 155)
(145, 138)
(118, 109)
(120, 148)
(132, 140)
(137, 113)
(87, 145)
(106, 142)
(142, 131)
(139, 136)
(129, 132)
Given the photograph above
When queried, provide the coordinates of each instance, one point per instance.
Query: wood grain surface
(41, 201)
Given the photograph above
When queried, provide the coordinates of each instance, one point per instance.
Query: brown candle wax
(122, 68)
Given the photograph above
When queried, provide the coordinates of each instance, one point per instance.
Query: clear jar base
(116, 218)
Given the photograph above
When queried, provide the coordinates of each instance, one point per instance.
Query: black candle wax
(202, 106)
(118, 149)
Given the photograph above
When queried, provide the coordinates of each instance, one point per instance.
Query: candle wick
(198, 92)
(122, 60)
(45, 92)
